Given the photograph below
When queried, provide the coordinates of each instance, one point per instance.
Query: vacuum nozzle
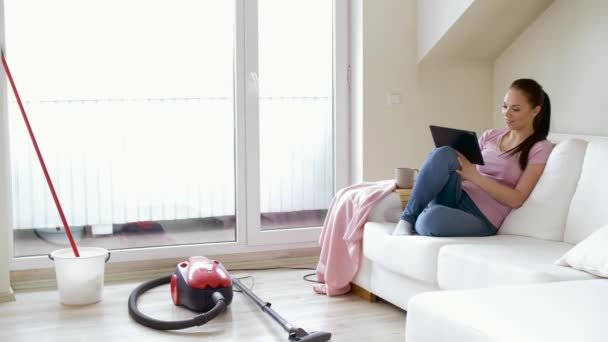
(300, 335)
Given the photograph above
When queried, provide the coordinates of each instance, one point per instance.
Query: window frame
(249, 236)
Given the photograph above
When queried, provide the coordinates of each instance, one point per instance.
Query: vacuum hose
(217, 297)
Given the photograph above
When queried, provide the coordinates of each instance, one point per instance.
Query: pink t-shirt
(503, 168)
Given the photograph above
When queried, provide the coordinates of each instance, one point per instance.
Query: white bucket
(80, 280)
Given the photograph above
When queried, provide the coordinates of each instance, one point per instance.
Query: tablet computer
(462, 141)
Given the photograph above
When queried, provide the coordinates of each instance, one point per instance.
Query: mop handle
(46, 173)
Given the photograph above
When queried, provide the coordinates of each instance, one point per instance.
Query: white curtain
(124, 160)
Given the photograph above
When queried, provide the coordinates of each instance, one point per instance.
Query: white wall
(566, 50)
(458, 94)
(5, 289)
(435, 17)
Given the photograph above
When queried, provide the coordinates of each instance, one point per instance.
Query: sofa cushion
(556, 312)
(587, 210)
(590, 255)
(413, 256)
(544, 214)
(513, 260)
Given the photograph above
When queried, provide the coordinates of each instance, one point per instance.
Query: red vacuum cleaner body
(195, 281)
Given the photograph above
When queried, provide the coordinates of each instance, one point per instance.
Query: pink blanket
(342, 233)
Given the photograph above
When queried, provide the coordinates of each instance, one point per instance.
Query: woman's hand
(468, 170)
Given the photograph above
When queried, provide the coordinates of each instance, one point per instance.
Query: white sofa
(505, 287)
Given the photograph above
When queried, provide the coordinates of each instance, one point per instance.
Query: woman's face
(517, 112)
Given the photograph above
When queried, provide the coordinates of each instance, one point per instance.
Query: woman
(453, 197)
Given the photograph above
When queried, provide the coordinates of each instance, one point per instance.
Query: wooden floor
(38, 316)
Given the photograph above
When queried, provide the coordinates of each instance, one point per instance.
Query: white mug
(404, 177)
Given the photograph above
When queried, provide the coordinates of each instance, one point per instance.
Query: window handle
(254, 81)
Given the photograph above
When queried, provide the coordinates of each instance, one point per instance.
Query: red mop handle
(46, 173)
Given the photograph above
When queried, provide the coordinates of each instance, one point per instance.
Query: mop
(39, 154)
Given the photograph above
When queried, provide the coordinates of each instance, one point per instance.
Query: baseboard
(39, 279)
(7, 296)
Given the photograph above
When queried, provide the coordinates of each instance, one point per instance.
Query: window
(168, 124)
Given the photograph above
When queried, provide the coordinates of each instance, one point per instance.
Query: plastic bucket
(80, 280)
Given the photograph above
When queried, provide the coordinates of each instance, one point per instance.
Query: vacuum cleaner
(204, 286)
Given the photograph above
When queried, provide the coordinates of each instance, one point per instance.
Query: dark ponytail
(536, 97)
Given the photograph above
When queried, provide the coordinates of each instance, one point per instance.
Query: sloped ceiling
(483, 29)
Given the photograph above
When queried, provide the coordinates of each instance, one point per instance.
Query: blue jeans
(438, 206)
